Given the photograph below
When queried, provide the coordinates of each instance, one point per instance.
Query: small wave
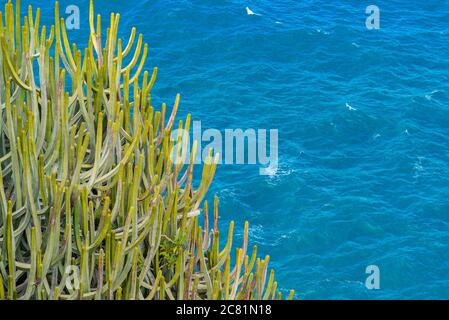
(271, 171)
(276, 175)
(251, 12)
(430, 96)
(418, 167)
(322, 31)
(350, 108)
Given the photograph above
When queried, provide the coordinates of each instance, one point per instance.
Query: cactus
(93, 204)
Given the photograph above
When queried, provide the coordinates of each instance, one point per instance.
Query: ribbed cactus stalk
(93, 203)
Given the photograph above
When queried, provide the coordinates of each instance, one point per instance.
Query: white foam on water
(350, 108)
(251, 12)
(323, 32)
(271, 171)
(430, 96)
(275, 175)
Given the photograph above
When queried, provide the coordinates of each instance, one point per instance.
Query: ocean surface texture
(363, 120)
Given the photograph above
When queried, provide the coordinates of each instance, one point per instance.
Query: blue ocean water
(363, 120)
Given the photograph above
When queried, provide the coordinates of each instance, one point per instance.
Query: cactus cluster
(96, 196)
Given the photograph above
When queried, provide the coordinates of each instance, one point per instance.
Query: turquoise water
(356, 186)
